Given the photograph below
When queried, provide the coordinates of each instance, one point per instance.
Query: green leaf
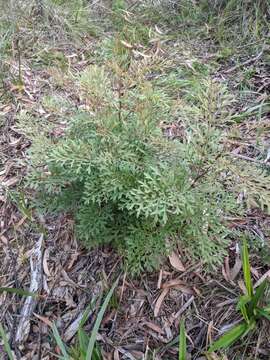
(7, 348)
(17, 291)
(263, 108)
(242, 305)
(258, 295)
(96, 353)
(263, 313)
(83, 341)
(229, 338)
(246, 269)
(87, 312)
(60, 342)
(182, 342)
(94, 333)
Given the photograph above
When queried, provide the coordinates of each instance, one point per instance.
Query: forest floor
(143, 319)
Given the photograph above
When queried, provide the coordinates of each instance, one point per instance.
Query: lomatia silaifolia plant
(126, 184)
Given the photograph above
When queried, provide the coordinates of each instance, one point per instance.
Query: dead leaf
(45, 263)
(236, 268)
(68, 280)
(73, 258)
(73, 328)
(154, 327)
(160, 301)
(14, 141)
(159, 279)
(228, 273)
(242, 286)
(116, 355)
(172, 283)
(20, 222)
(4, 239)
(17, 87)
(262, 278)
(44, 319)
(254, 272)
(10, 182)
(126, 44)
(158, 30)
(176, 262)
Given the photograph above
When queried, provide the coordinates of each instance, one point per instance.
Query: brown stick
(35, 285)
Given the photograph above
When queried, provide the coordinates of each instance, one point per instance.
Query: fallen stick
(251, 159)
(35, 285)
(247, 62)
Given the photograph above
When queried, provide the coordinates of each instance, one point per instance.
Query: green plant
(249, 305)
(129, 186)
(182, 342)
(17, 291)
(7, 348)
(3, 334)
(86, 347)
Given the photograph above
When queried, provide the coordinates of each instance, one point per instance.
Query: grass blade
(229, 338)
(246, 269)
(182, 342)
(259, 292)
(94, 333)
(264, 313)
(7, 348)
(83, 340)
(244, 312)
(17, 291)
(59, 342)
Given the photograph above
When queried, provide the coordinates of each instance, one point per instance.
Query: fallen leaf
(10, 182)
(254, 272)
(160, 301)
(73, 328)
(158, 30)
(236, 268)
(45, 263)
(262, 278)
(4, 239)
(226, 269)
(19, 223)
(176, 262)
(172, 283)
(126, 44)
(154, 327)
(116, 355)
(159, 279)
(242, 286)
(44, 319)
(73, 258)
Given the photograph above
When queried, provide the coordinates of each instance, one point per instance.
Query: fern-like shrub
(129, 186)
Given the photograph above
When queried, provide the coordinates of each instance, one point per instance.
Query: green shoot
(182, 342)
(246, 269)
(17, 291)
(248, 305)
(94, 333)
(87, 347)
(7, 348)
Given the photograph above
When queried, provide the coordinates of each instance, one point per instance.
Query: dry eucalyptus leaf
(160, 301)
(176, 262)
